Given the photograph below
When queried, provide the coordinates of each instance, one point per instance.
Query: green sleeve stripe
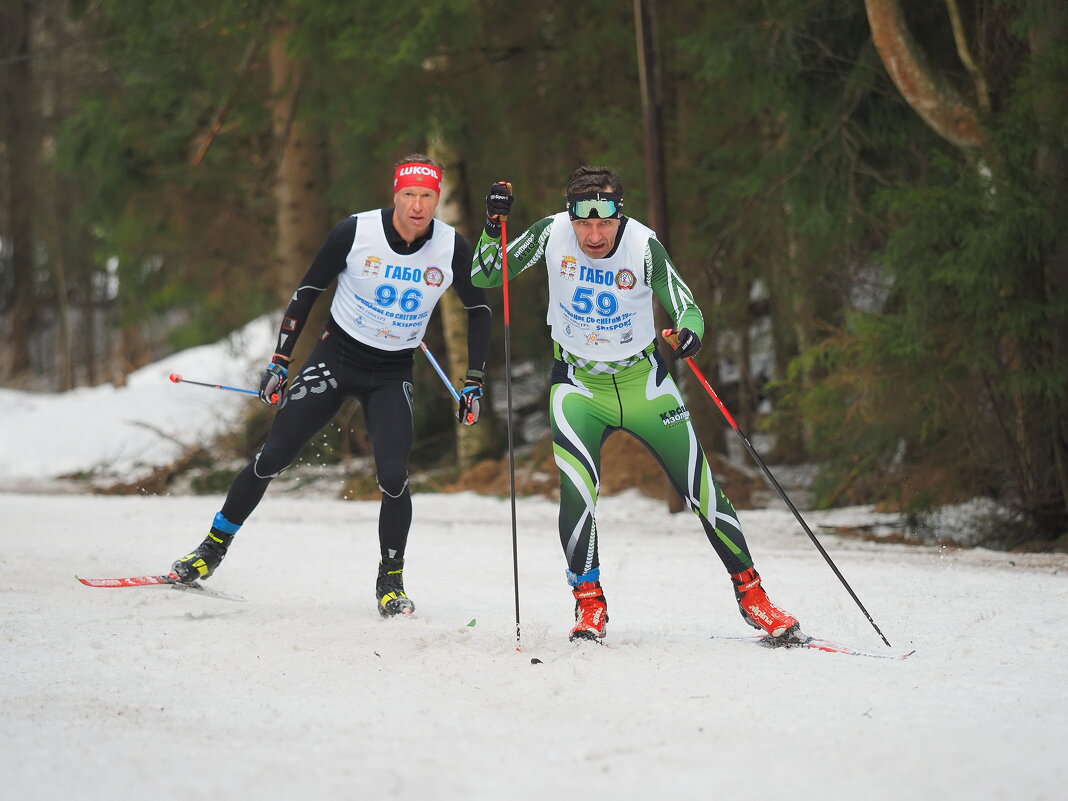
(672, 289)
(523, 252)
(486, 264)
(529, 248)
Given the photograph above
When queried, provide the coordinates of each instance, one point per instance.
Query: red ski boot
(757, 610)
(591, 612)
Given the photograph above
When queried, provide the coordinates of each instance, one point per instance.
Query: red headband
(415, 174)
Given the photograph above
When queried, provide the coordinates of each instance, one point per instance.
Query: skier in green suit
(603, 269)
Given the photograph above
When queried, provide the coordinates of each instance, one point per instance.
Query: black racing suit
(340, 367)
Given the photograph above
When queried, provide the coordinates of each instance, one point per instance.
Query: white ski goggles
(595, 205)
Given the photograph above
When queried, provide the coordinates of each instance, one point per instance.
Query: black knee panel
(270, 462)
(393, 478)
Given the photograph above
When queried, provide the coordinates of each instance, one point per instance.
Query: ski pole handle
(177, 379)
(504, 217)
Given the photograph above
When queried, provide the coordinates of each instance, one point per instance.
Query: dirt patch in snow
(625, 464)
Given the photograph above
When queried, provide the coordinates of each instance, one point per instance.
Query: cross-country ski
(805, 641)
(169, 580)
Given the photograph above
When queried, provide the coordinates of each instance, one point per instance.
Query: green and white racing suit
(608, 376)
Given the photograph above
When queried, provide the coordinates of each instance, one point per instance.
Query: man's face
(413, 211)
(596, 237)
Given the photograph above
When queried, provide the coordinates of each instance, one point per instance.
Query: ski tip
(90, 582)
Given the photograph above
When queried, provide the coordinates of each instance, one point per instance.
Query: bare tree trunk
(649, 78)
(61, 80)
(705, 281)
(802, 311)
(927, 91)
(133, 353)
(656, 185)
(19, 118)
(747, 391)
(789, 439)
(301, 215)
(60, 35)
(472, 442)
(63, 251)
(88, 330)
(64, 357)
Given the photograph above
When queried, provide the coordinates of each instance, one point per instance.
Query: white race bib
(599, 308)
(385, 299)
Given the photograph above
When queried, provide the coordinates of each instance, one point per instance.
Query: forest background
(868, 199)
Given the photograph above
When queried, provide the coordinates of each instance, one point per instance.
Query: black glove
(689, 344)
(469, 400)
(498, 207)
(273, 383)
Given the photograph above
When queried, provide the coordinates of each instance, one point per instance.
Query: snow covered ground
(113, 432)
(303, 690)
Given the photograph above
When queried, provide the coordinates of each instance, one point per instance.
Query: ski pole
(673, 339)
(177, 379)
(508, 394)
(441, 373)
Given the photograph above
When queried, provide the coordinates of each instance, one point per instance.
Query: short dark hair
(593, 179)
(420, 158)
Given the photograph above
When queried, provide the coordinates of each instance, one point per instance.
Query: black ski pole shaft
(778, 488)
(508, 394)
